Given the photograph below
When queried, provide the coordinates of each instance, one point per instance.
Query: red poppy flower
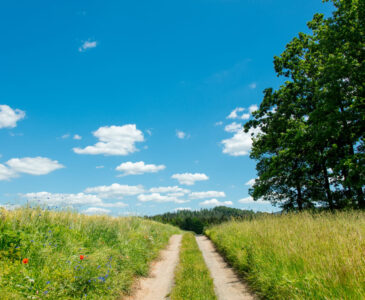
(82, 257)
(25, 260)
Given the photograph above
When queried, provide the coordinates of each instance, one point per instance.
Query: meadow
(298, 255)
(65, 255)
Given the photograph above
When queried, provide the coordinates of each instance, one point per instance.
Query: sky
(136, 107)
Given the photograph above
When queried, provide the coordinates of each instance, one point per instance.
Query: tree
(311, 146)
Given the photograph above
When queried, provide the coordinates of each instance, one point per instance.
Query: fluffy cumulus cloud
(77, 137)
(34, 165)
(115, 190)
(240, 144)
(207, 194)
(253, 108)
(157, 197)
(181, 134)
(58, 199)
(114, 140)
(9, 117)
(87, 45)
(251, 182)
(115, 204)
(96, 211)
(234, 113)
(6, 173)
(249, 200)
(169, 189)
(189, 178)
(137, 168)
(244, 116)
(215, 202)
(233, 127)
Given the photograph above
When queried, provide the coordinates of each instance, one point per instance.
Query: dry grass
(298, 256)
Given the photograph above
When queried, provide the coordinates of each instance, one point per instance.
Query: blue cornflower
(98, 267)
(48, 282)
(45, 292)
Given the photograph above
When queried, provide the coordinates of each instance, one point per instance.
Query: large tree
(311, 146)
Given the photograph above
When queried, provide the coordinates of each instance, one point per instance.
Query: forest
(198, 220)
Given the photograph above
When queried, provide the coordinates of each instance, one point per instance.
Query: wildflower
(25, 261)
(48, 282)
(45, 292)
(82, 257)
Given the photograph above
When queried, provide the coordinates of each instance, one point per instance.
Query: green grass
(192, 278)
(298, 256)
(116, 250)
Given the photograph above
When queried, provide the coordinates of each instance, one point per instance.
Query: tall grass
(298, 256)
(192, 277)
(72, 256)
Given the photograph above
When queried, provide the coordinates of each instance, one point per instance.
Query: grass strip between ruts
(192, 277)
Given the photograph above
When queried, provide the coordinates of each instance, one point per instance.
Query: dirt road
(227, 285)
(158, 285)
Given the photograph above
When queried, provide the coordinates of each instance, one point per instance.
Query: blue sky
(133, 107)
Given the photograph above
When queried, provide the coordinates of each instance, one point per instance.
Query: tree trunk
(327, 187)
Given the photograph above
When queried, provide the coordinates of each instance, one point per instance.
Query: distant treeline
(197, 220)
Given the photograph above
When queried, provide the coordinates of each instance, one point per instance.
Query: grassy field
(192, 278)
(298, 256)
(64, 255)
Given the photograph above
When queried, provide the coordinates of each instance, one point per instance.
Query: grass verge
(192, 278)
(298, 256)
(64, 255)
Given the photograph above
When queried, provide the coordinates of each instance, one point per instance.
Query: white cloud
(115, 204)
(10, 206)
(157, 197)
(63, 199)
(137, 168)
(77, 137)
(34, 165)
(99, 167)
(96, 211)
(65, 136)
(6, 173)
(181, 134)
(115, 190)
(233, 127)
(253, 85)
(215, 202)
(249, 200)
(233, 114)
(169, 189)
(9, 116)
(240, 144)
(189, 178)
(87, 45)
(218, 123)
(114, 140)
(207, 194)
(245, 116)
(253, 108)
(251, 182)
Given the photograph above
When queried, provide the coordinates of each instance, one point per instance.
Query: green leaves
(315, 121)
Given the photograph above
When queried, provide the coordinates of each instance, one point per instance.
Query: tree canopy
(310, 149)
